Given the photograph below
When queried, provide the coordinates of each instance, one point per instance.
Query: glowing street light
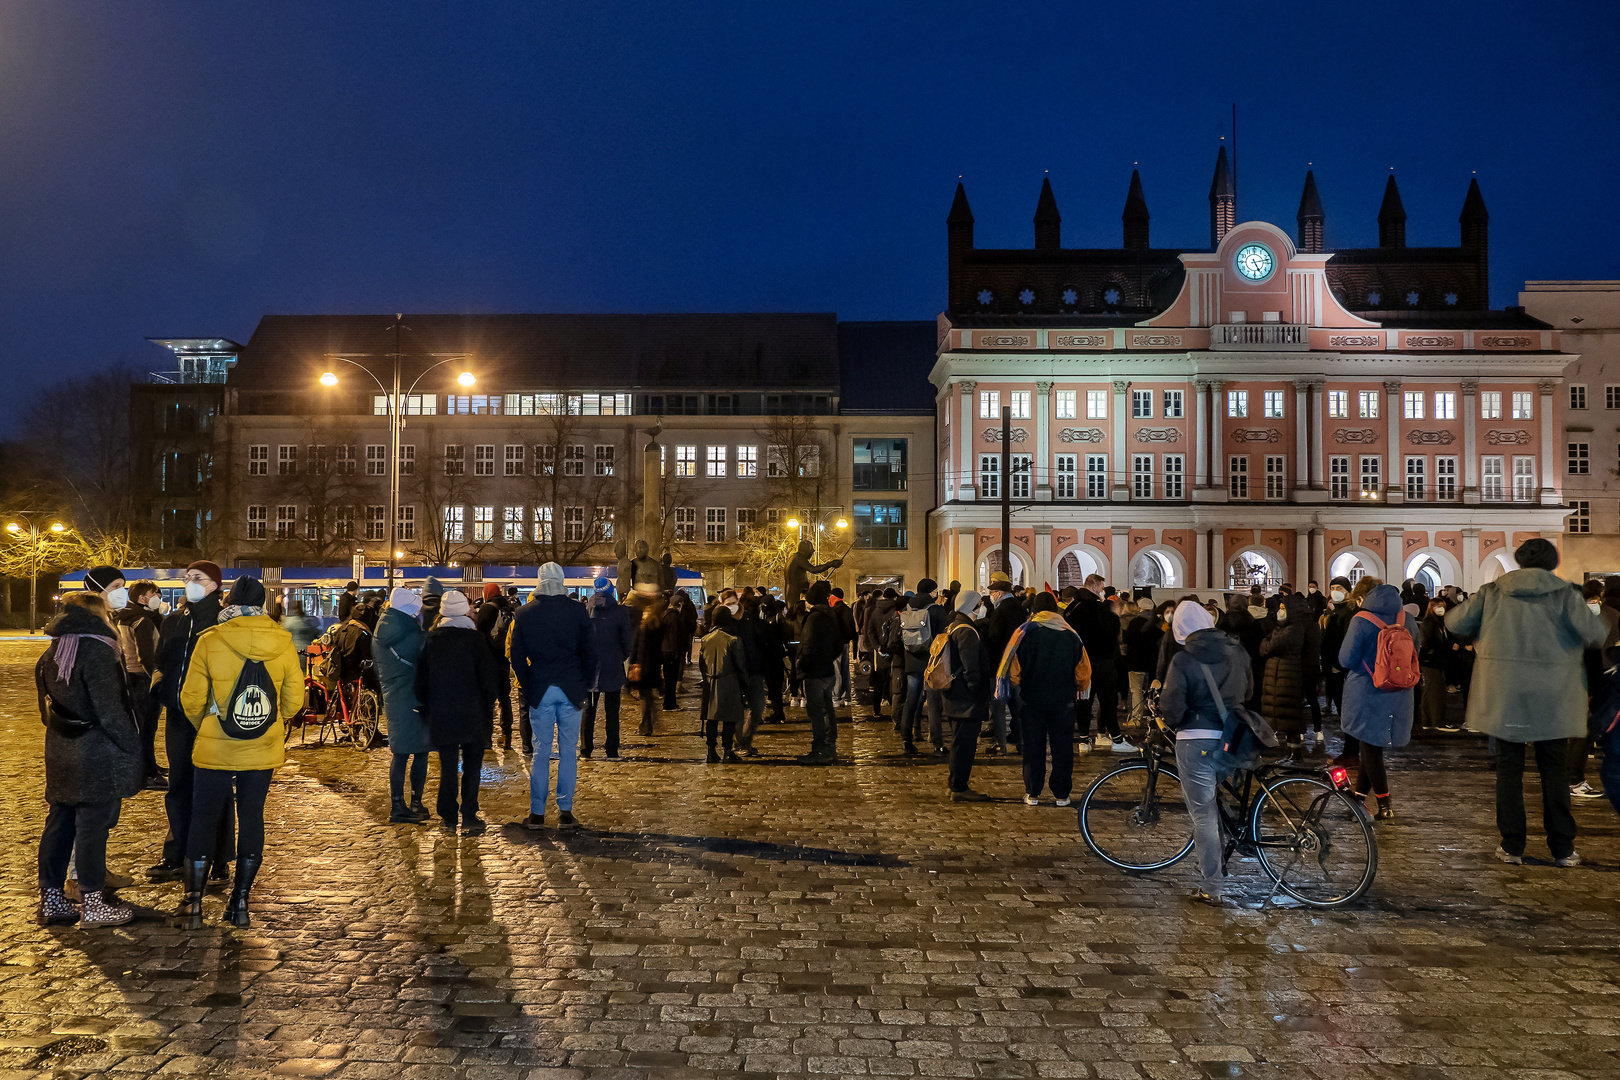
(793, 523)
(466, 379)
(28, 529)
(328, 379)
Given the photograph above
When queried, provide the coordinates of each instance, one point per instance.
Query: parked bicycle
(1304, 825)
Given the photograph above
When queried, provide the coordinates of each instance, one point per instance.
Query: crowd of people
(1528, 660)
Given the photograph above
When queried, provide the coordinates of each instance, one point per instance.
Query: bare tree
(797, 464)
(580, 489)
(325, 482)
(439, 484)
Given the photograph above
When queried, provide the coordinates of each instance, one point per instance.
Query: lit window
(1490, 404)
(1522, 400)
(1368, 402)
(1490, 478)
(1413, 405)
(512, 524)
(483, 524)
(989, 404)
(1338, 404)
(1445, 405)
(455, 521)
(716, 464)
(1065, 403)
(1274, 404)
(747, 461)
(1020, 405)
(542, 524)
(1096, 404)
(686, 461)
(1237, 403)
(1372, 474)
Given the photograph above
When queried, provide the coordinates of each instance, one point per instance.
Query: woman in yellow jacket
(243, 684)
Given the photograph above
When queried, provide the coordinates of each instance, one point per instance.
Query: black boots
(188, 916)
(236, 912)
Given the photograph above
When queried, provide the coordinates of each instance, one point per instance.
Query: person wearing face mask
(1433, 655)
(176, 644)
(1282, 694)
(138, 624)
(1334, 626)
(1317, 601)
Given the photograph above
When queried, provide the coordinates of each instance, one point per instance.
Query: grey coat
(1529, 628)
(103, 764)
(724, 663)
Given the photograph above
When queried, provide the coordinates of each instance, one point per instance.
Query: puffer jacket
(1282, 691)
(1529, 629)
(398, 647)
(104, 763)
(1186, 702)
(215, 665)
(1384, 717)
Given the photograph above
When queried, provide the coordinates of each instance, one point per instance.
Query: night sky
(181, 169)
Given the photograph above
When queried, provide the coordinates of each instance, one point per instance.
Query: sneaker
(534, 822)
(475, 827)
(99, 911)
(1120, 746)
(1211, 899)
(1103, 742)
(940, 751)
(1511, 860)
(1062, 802)
(1582, 790)
(1031, 800)
(1082, 747)
(1449, 729)
(566, 820)
(1572, 859)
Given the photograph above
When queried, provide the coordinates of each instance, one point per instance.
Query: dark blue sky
(183, 168)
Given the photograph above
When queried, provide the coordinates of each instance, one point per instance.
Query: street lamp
(32, 531)
(820, 525)
(396, 423)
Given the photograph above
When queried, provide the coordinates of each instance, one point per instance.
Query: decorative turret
(1310, 216)
(1222, 201)
(1135, 216)
(1475, 221)
(1392, 217)
(958, 241)
(1048, 222)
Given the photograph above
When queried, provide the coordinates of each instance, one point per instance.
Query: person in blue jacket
(1377, 719)
(553, 652)
(615, 629)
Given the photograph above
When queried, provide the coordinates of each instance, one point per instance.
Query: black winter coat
(968, 696)
(457, 683)
(551, 644)
(823, 640)
(104, 763)
(615, 629)
(1001, 624)
(1046, 661)
(1282, 695)
(176, 642)
(1186, 701)
(1142, 643)
(1098, 628)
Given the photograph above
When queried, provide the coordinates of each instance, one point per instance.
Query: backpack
(940, 673)
(1243, 731)
(1395, 665)
(914, 627)
(252, 704)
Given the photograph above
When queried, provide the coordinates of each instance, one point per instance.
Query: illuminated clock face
(1254, 262)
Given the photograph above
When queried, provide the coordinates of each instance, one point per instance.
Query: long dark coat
(104, 763)
(1282, 692)
(457, 683)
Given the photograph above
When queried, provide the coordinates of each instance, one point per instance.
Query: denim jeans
(77, 832)
(818, 702)
(842, 688)
(556, 723)
(396, 778)
(1140, 681)
(1199, 782)
(912, 707)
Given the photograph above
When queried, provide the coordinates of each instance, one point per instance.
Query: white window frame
(1237, 403)
(1445, 405)
(1142, 476)
(1367, 404)
(1175, 476)
(1019, 400)
(1273, 404)
(1491, 478)
(1141, 404)
(376, 522)
(1417, 478)
(543, 525)
(407, 523)
(484, 459)
(1096, 476)
(1372, 476)
(376, 459)
(407, 459)
(258, 520)
(512, 524)
(714, 525)
(989, 476)
(747, 462)
(1524, 405)
(1237, 476)
(286, 460)
(286, 521)
(1066, 404)
(573, 524)
(574, 459)
(1338, 404)
(1524, 478)
(455, 459)
(1490, 404)
(1577, 396)
(1174, 404)
(1096, 404)
(1412, 405)
(1445, 477)
(716, 465)
(1276, 476)
(515, 454)
(1064, 476)
(989, 404)
(483, 524)
(454, 524)
(685, 524)
(1020, 475)
(1339, 476)
(259, 459)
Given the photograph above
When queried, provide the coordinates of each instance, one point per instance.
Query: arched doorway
(1435, 567)
(991, 563)
(1154, 569)
(1252, 567)
(1349, 566)
(1074, 567)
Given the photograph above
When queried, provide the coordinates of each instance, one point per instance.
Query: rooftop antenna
(1234, 164)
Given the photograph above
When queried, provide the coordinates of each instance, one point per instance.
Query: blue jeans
(1199, 781)
(556, 723)
(1611, 767)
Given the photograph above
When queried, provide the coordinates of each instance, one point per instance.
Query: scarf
(236, 611)
(457, 620)
(67, 652)
(1009, 674)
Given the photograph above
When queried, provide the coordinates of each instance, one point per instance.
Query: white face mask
(1282, 614)
(1338, 596)
(155, 602)
(118, 599)
(1595, 605)
(734, 608)
(196, 590)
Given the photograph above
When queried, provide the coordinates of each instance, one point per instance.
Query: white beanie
(454, 603)
(1190, 617)
(968, 602)
(552, 581)
(405, 600)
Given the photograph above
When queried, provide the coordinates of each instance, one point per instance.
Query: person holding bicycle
(1212, 662)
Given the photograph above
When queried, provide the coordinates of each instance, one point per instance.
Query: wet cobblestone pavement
(769, 919)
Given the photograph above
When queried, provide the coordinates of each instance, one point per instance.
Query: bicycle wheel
(363, 724)
(1314, 841)
(1136, 817)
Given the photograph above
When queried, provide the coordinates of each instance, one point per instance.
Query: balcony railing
(1278, 337)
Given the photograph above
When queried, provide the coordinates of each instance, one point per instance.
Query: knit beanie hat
(405, 600)
(491, 590)
(454, 603)
(434, 587)
(98, 578)
(209, 568)
(246, 592)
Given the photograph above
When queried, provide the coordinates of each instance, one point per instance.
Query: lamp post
(818, 525)
(33, 533)
(396, 423)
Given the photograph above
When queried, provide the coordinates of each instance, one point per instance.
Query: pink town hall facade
(1230, 419)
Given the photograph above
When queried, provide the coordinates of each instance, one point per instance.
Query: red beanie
(491, 590)
(209, 568)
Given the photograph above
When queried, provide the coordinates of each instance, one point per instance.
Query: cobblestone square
(769, 919)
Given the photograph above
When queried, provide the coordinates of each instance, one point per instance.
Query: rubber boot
(188, 916)
(236, 912)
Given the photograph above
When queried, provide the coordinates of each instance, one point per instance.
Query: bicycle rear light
(1340, 776)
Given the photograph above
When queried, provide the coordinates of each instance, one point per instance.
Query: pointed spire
(1310, 216)
(1135, 216)
(960, 214)
(1392, 217)
(1222, 201)
(1048, 222)
(1474, 205)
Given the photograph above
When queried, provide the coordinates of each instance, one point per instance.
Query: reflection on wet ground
(730, 920)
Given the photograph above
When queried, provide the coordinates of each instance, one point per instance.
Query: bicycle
(1311, 835)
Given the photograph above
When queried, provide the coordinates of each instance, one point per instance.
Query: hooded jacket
(104, 763)
(877, 623)
(1529, 629)
(614, 629)
(215, 665)
(551, 643)
(723, 662)
(822, 639)
(1282, 690)
(398, 650)
(175, 644)
(1186, 703)
(1382, 717)
(968, 696)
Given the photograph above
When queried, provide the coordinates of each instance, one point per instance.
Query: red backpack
(1395, 666)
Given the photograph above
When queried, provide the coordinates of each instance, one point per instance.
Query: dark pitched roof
(1391, 208)
(960, 213)
(1046, 210)
(1310, 203)
(563, 352)
(1135, 203)
(885, 366)
(1474, 204)
(1222, 184)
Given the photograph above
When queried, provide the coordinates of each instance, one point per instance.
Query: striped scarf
(1008, 674)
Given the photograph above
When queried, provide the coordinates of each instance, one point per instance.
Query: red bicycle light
(1339, 775)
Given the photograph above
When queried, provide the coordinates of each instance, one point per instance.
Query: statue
(643, 569)
(666, 573)
(799, 569)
